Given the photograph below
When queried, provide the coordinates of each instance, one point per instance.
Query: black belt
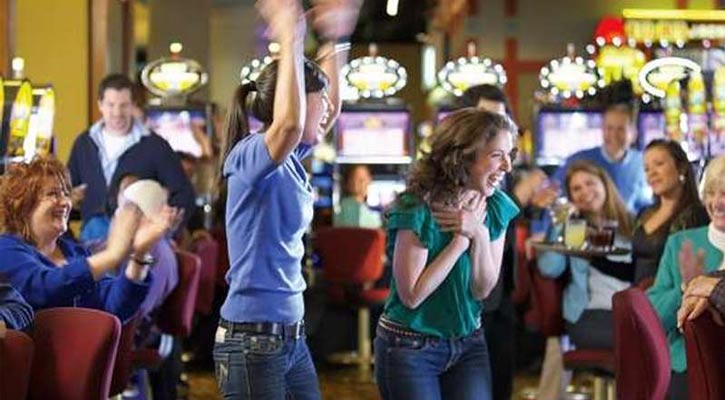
(292, 331)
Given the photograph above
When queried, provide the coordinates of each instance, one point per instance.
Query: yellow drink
(575, 233)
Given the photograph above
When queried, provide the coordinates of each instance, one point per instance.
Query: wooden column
(127, 57)
(97, 49)
(6, 36)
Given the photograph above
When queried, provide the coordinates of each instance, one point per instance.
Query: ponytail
(236, 125)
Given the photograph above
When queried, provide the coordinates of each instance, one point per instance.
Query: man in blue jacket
(115, 146)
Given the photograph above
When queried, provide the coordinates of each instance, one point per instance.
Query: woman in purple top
(260, 352)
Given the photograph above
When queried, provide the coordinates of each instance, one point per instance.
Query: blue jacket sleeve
(665, 293)
(119, 296)
(43, 286)
(16, 313)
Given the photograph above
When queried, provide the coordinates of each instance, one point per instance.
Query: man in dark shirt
(119, 145)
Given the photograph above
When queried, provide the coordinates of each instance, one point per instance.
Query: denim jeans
(430, 368)
(263, 367)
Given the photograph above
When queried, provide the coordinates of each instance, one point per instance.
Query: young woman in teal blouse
(445, 237)
(687, 254)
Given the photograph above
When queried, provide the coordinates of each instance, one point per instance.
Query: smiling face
(49, 218)
(661, 172)
(587, 192)
(714, 202)
(492, 163)
(318, 113)
(617, 133)
(116, 107)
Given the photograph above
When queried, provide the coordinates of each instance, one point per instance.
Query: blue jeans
(430, 368)
(263, 367)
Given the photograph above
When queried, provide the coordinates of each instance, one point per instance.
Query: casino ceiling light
(375, 76)
(657, 74)
(251, 71)
(571, 76)
(174, 75)
(457, 76)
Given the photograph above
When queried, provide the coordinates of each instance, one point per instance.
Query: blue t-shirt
(269, 207)
(627, 174)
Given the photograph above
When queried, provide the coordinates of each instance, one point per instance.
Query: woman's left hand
(153, 228)
(334, 19)
(701, 286)
(691, 263)
(467, 219)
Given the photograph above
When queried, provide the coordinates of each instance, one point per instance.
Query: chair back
(705, 358)
(641, 352)
(124, 356)
(220, 235)
(522, 284)
(75, 349)
(177, 312)
(16, 356)
(204, 246)
(547, 302)
(351, 256)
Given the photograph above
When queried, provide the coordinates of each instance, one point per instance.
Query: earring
(681, 177)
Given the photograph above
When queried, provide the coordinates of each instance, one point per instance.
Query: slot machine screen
(382, 192)
(651, 126)
(176, 126)
(563, 133)
(373, 134)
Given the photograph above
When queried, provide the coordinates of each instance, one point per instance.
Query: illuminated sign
(457, 76)
(374, 77)
(616, 63)
(657, 74)
(251, 71)
(569, 77)
(176, 76)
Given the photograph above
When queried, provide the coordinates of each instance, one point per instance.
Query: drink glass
(560, 211)
(575, 231)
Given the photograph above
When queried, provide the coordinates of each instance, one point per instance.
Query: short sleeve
(250, 160)
(303, 151)
(412, 215)
(500, 210)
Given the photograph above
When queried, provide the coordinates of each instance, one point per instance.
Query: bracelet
(337, 47)
(147, 259)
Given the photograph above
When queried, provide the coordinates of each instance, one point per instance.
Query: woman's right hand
(285, 18)
(123, 229)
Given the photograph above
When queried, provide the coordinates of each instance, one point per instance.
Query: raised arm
(334, 21)
(287, 25)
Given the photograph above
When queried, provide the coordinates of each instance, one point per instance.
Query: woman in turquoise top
(687, 254)
(445, 237)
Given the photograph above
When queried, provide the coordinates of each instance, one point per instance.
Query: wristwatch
(147, 259)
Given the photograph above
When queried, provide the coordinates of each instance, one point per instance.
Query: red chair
(705, 358)
(522, 285)
(124, 356)
(352, 260)
(547, 297)
(177, 311)
(204, 246)
(220, 235)
(75, 352)
(641, 352)
(16, 356)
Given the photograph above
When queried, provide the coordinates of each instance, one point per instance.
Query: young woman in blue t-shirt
(259, 351)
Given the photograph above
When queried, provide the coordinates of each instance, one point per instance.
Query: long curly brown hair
(20, 190)
(442, 174)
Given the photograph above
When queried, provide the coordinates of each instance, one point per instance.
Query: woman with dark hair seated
(51, 270)
(677, 205)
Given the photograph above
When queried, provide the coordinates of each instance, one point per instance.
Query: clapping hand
(691, 264)
(154, 227)
(335, 19)
(285, 18)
